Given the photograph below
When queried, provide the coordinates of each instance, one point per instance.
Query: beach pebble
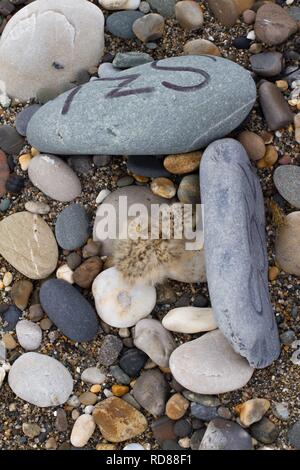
(11, 142)
(201, 47)
(93, 375)
(119, 304)
(222, 434)
(249, 16)
(133, 446)
(287, 244)
(73, 260)
(65, 273)
(287, 182)
(36, 207)
(189, 190)
(228, 11)
(132, 361)
(163, 187)
(10, 317)
(273, 24)
(151, 383)
(253, 144)
(69, 310)
(189, 15)
(31, 430)
(264, 431)
(15, 184)
(23, 118)
(294, 435)
(83, 430)
(40, 380)
(54, 178)
(267, 64)
(176, 407)
(281, 411)
(118, 421)
(127, 60)
(120, 24)
(149, 27)
(4, 173)
(253, 410)
(183, 163)
(22, 230)
(216, 367)
(147, 166)
(72, 227)
(189, 320)
(87, 271)
(152, 338)
(110, 350)
(29, 335)
(81, 164)
(28, 38)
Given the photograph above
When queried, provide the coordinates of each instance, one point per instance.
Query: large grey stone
(47, 43)
(28, 244)
(287, 182)
(181, 94)
(40, 380)
(235, 252)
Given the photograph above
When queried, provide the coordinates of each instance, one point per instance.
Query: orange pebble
(119, 390)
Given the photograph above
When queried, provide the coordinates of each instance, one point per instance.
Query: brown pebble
(91, 249)
(46, 324)
(149, 27)
(119, 390)
(31, 430)
(249, 16)
(105, 447)
(176, 406)
(275, 109)
(273, 273)
(96, 388)
(253, 410)
(189, 15)
(201, 47)
(271, 155)
(20, 293)
(51, 444)
(163, 187)
(253, 144)
(88, 398)
(9, 341)
(228, 11)
(35, 312)
(84, 275)
(61, 422)
(267, 137)
(183, 163)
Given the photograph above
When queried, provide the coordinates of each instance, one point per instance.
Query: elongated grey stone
(164, 107)
(235, 252)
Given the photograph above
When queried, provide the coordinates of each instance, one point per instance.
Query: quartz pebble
(119, 304)
(83, 430)
(189, 320)
(29, 335)
(189, 15)
(120, 4)
(65, 273)
(215, 367)
(102, 195)
(40, 380)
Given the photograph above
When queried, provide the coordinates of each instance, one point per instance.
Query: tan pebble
(24, 161)
(255, 48)
(119, 390)
(282, 85)
(51, 443)
(201, 47)
(253, 144)
(163, 187)
(108, 263)
(1, 285)
(9, 342)
(149, 27)
(105, 447)
(297, 135)
(176, 406)
(183, 163)
(141, 179)
(7, 279)
(271, 155)
(253, 410)
(46, 324)
(261, 164)
(31, 430)
(34, 152)
(75, 414)
(297, 121)
(273, 273)
(96, 388)
(88, 398)
(189, 15)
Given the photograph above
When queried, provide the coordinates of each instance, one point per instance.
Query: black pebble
(200, 301)
(182, 428)
(15, 184)
(132, 361)
(241, 43)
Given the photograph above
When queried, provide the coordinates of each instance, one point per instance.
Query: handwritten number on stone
(125, 80)
(172, 86)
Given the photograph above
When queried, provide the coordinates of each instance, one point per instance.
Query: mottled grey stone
(72, 227)
(40, 380)
(287, 181)
(222, 434)
(206, 413)
(267, 64)
(110, 350)
(120, 24)
(181, 94)
(294, 435)
(151, 391)
(235, 252)
(126, 60)
(69, 310)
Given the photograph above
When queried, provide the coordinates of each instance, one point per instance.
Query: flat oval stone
(54, 177)
(40, 380)
(187, 87)
(151, 337)
(213, 366)
(28, 244)
(120, 24)
(190, 320)
(29, 335)
(72, 227)
(69, 310)
(287, 181)
(235, 252)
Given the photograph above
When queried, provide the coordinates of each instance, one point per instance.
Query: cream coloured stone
(83, 430)
(190, 320)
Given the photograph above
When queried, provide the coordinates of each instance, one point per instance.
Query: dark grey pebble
(132, 361)
(15, 184)
(264, 431)
(206, 413)
(241, 43)
(147, 165)
(72, 227)
(23, 118)
(73, 260)
(81, 164)
(69, 310)
(120, 24)
(294, 435)
(182, 428)
(119, 375)
(150, 384)
(10, 141)
(110, 350)
(11, 316)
